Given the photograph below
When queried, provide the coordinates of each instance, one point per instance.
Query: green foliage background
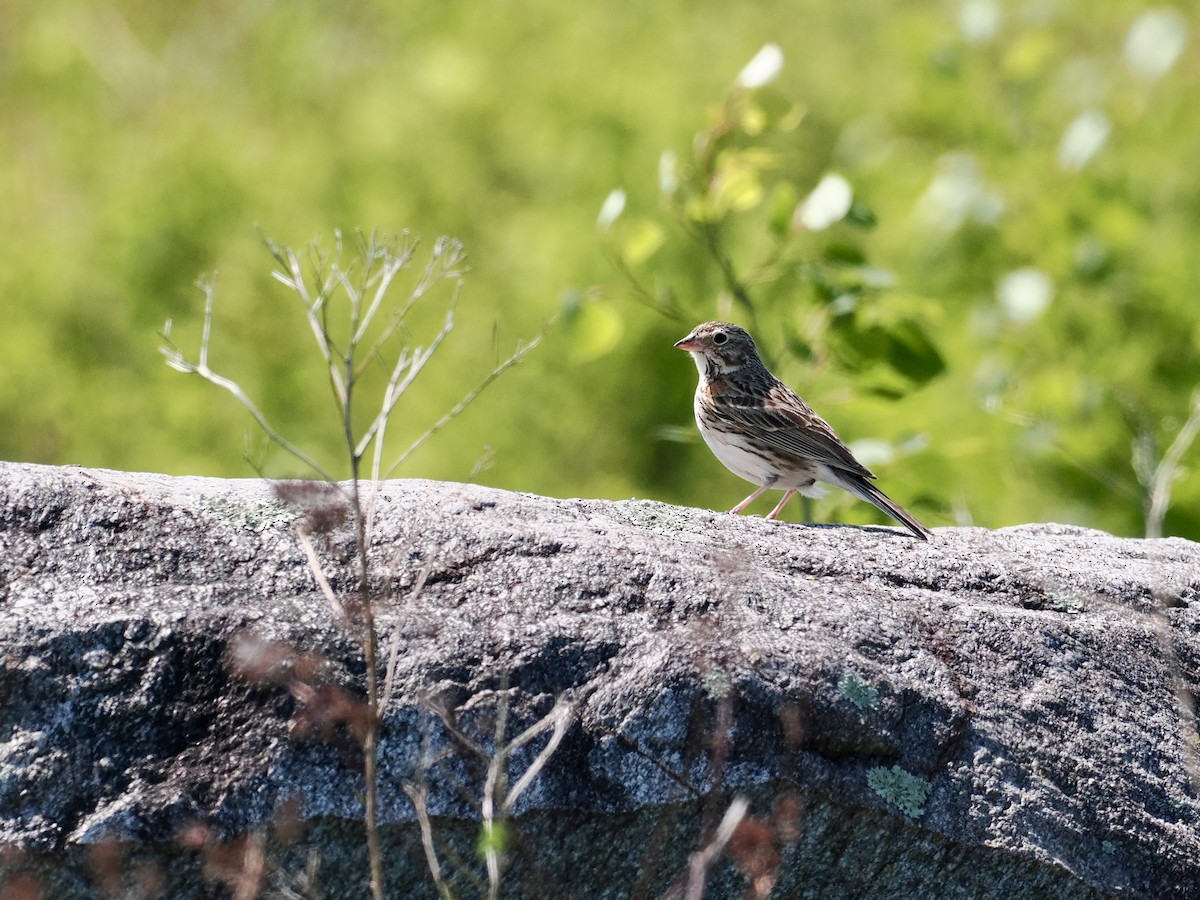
(143, 142)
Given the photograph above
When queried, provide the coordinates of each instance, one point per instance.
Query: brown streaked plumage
(763, 432)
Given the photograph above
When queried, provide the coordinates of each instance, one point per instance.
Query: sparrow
(763, 432)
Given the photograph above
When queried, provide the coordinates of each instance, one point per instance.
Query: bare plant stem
(364, 285)
(691, 887)
(493, 790)
(519, 354)
(254, 859)
(314, 566)
(1158, 490)
(370, 647)
(498, 800)
(177, 361)
(419, 795)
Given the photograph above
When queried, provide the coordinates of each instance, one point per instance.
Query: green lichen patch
(903, 790)
(853, 688)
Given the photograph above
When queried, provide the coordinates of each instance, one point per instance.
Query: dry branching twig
(329, 291)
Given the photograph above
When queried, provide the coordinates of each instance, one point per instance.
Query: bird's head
(719, 348)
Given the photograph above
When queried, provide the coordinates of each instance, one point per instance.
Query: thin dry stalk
(389, 682)
(499, 369)
(560, 717)
(459, 736)
(177, 361)
(404, 373)
(254, 862)
(362, 287)
(314, 566)
(419, 795)
(703, 859)
(369, 640)
(1189, 733)
(497, 800)
(1162, 479)
(492, 790)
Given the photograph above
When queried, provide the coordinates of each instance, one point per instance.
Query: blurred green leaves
(594, 328)
(773, 243)
(901, 344)
(143, 143)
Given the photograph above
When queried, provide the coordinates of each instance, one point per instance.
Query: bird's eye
(720, 337)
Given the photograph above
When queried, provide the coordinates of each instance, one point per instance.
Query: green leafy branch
(750, 213)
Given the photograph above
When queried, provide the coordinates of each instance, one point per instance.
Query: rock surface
(993, 713)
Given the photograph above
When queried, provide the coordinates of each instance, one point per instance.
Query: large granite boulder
(992, 713)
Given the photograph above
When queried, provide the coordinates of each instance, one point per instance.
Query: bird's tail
(865, 490)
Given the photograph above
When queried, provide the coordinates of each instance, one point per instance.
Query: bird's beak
(689, 344)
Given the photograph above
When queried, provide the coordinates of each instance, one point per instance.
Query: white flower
(1024, 295)
(763, 69)
(613, 206)
(1155, 42)
(668, 173)
(1083, 139)
(978, 20)
(828, 203)
(957, 194)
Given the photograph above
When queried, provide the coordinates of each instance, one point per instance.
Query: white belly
(738, 461)
(730, 450)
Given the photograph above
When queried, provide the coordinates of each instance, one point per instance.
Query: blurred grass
(143, 143)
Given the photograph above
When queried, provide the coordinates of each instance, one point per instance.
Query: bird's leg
(766, 487)
(787, 495)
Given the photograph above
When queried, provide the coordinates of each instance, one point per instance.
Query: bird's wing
(787, 424)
